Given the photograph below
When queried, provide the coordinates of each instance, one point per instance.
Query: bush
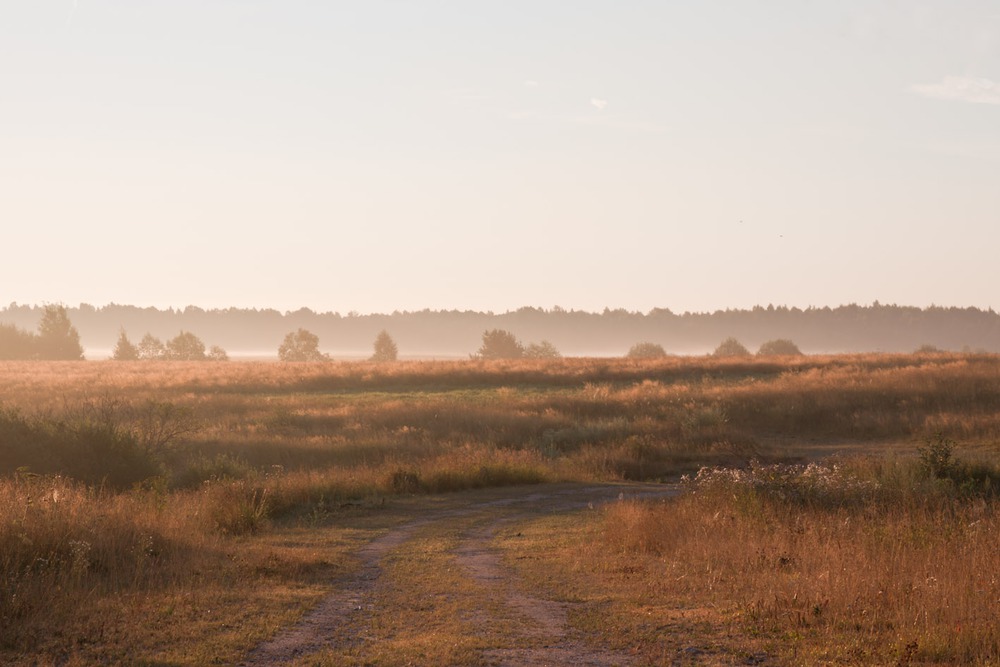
(185, 346)
(404, 481)
(646, 351)
(936, 457)
(301, 345)
(500, 344)
(781, 347)
(543, 350)
(107, 442)
(731, 348)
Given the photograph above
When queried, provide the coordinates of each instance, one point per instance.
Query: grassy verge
(863, 561)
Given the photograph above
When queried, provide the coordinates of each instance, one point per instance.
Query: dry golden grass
(120, 514)
(864, 562)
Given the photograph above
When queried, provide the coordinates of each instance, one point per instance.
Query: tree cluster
(303, 345)
(185, 346)
(502, 344)
(57, 338)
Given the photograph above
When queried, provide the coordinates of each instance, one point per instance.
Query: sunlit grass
(865, 560)
(99, 507)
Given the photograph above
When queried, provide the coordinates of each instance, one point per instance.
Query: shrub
(731, 348)
(543, 350)
(936, 456)
(781, 347)
(301, 345)
(500, 344)
(185, 346)
(106, 442)
(404, 481)
(646, 351)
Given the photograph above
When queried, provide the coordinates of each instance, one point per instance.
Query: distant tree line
(849, 328)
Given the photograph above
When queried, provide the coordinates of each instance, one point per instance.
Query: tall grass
(870, 560)
(122, 477)
(66, 545)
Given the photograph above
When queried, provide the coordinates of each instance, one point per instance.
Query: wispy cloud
(598, 103)
(531, 83)
(973, 90)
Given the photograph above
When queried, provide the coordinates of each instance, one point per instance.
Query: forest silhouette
(454, 333)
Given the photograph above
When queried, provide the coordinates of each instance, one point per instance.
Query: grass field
(224, 496)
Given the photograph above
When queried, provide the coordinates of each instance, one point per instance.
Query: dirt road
(453, 549)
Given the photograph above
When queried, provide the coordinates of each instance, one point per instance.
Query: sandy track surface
(542, 633)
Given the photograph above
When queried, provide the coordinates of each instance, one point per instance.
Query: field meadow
(836, 509)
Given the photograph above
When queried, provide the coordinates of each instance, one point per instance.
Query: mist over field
(257, 334)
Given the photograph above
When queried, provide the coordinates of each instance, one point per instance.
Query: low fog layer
(456, 334)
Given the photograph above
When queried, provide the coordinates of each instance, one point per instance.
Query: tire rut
(544, 623)
(545, 631)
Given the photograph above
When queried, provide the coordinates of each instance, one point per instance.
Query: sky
(456, 154)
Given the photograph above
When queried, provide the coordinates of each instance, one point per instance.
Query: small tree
(301, 345)
(124, 349)
(185, 346)
(543, 350)
(731, 348)
(151, 348)
(781, 347)
(500, 344)
(646, 351)
(216, 353)
(385, 347)
(57, 337)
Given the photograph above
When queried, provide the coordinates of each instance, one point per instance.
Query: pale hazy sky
(384, 155)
